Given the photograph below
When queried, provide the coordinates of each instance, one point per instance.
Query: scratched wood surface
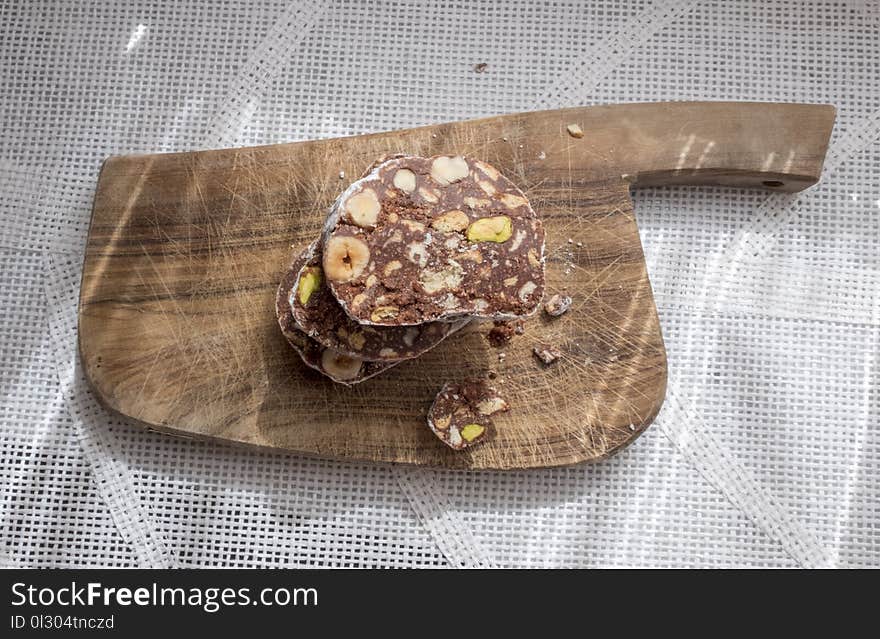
(176, 323)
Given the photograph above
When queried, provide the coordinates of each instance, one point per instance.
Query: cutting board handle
(771, 146)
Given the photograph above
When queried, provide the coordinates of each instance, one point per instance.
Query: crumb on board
(546, 354)
(502, 332)
(557, 305)
(575, 131)
(461, 413)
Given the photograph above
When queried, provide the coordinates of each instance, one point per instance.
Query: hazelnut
(451, 221)
(442, 423)
(339, 365)
(405, 180)
(345, 258)
(362, 209)
(491, 405)
(446, 170)
(470, 432)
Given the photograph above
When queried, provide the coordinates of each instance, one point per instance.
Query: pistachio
(470, 432)
(309, 281)
(491, 229)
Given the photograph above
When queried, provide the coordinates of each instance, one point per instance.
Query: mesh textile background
(768, 448)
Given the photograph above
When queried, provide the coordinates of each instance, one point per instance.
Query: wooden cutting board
(176, 322)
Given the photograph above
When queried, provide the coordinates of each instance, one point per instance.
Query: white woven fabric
(767, 451)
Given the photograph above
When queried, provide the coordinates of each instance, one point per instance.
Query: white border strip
(91, 422)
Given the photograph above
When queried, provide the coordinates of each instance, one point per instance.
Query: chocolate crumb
(501, 334)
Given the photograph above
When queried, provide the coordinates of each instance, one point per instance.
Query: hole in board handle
(772, 183)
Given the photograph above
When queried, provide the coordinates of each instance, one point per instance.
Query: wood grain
(176, 321)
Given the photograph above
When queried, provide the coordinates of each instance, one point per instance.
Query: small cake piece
(423, 239)
(460, 414)
(318, 314)
(546, 354)
(557, 305)
(339, 367)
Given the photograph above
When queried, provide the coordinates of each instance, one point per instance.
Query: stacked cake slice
(409, 254)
